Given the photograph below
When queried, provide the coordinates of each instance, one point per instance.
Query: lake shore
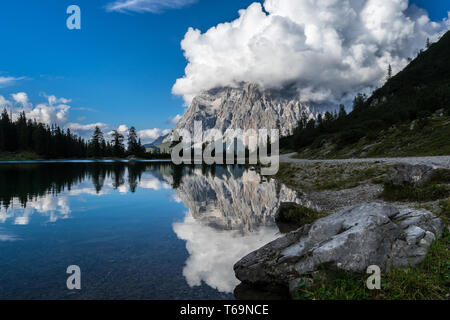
(30, 156)
(331, 186)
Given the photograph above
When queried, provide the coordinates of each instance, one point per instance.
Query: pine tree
(342, 112)
(118, 148)
(359, 101)
(96, 144)
(304, 120)
(320, 122)
(328, 117)
(389, 76)
(133, 145)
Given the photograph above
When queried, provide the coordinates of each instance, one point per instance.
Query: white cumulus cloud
(52, 100)
(55, 110)
(150, 135)
(86, 127)
(327, 49)
(174, 120)
(153, 6)
(22, 99)
(123, 129)
(4, 103)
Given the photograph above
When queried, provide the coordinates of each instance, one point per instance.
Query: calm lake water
(136, 230)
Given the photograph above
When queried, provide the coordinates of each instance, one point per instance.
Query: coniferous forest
(414, 94)
(53, 142)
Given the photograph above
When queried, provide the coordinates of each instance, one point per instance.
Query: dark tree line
(53, 142)
(47, 141)
(98, 147)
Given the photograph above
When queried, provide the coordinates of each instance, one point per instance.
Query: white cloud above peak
(175, 119)
(327, 49)
(152, 6)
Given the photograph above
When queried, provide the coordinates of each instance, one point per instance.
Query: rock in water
(374, 233)
(247, 107)
(407, 174)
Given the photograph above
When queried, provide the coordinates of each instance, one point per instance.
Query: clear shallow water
(137, 230)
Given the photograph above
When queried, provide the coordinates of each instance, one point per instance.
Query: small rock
(406, 174)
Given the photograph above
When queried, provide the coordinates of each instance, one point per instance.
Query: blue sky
(120, 67)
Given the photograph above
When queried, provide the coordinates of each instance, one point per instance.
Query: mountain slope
(157, 142)
(407, 116)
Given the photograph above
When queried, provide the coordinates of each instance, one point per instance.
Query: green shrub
(298, 215)
(430, 192)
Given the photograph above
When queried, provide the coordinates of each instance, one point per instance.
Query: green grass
(355, 178)
(437, 188)
(286, 173)
(444, 207)
(320, 177)
(299, 215)
(18, 156)
(430, 280)
(429, 192)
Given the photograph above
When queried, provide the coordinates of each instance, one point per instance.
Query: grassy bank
(19, 156)
(324, 176)
(427, 281)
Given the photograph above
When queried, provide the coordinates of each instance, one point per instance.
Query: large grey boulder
(374, 233)
(407, 174)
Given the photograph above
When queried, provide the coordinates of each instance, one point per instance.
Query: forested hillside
(408, 116)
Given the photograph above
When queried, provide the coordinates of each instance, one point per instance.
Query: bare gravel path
(436, 162)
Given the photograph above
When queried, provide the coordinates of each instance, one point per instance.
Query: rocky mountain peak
(247, 106)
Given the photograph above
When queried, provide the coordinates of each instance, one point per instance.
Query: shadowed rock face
(246, 107)
(375, 233)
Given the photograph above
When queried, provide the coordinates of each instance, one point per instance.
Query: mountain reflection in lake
(137, 230)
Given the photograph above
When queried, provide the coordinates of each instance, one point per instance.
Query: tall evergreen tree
(97, 142)
(118, 146)
(358, 101)
(342, 112)
(133, 146)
